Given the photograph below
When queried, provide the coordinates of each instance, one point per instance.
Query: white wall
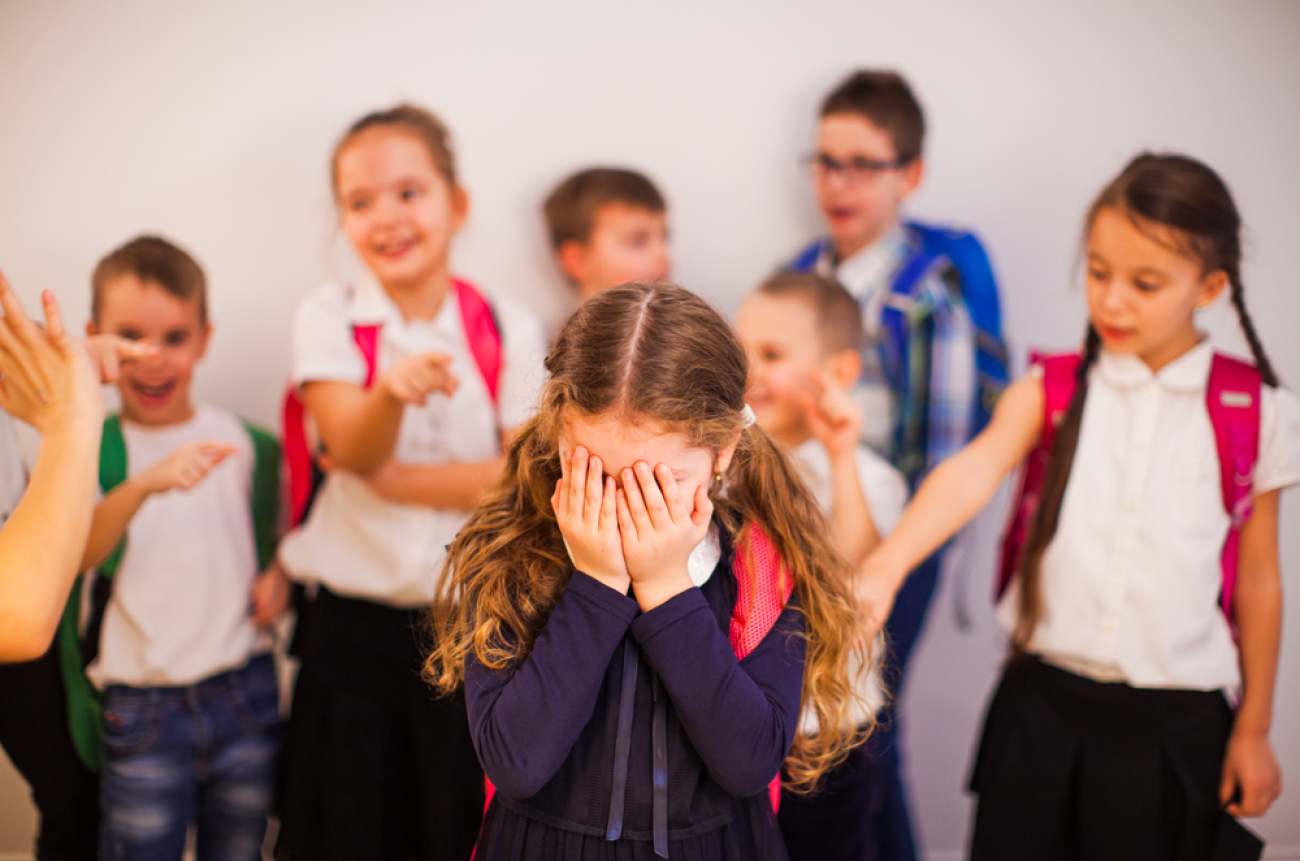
(213, 124)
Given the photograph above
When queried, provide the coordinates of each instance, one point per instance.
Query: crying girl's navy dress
(570, 737)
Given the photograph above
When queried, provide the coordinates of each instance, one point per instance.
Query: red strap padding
(1233, 402)
(482, 335)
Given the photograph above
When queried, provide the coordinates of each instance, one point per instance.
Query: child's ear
(843, 368)
(203, 340)
(913, 172)
(459, 207)
(1212, 287)
(726, 453)
(572, 256)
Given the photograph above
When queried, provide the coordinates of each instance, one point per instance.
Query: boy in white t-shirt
(804, 335)
(192, 726)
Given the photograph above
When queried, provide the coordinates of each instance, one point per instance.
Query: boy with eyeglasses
(933, 364)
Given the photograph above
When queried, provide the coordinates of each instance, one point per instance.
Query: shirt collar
(862, 273)
(372, 305)
(1188, 373)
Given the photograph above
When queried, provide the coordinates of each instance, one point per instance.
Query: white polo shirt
(1131, 579)
(885, 491)
(181, 596)
(355, 542)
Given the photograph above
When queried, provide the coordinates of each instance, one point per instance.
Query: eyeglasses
(855, 171)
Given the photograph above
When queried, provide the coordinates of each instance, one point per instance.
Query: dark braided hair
(1173, 192)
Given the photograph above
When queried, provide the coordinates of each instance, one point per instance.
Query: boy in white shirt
(192, 726)
(804, 335)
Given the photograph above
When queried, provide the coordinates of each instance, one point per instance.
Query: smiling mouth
(396, 248)
(153, 393)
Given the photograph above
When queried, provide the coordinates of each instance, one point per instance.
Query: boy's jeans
(203, 754)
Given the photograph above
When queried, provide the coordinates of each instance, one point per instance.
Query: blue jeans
(204, 754)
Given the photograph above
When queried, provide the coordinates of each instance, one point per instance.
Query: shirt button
(1108, 626)
(1130, 506)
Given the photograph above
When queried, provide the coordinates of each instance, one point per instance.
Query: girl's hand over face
(1251, 767)
(414, 378)
(584, 510)
(659, 529)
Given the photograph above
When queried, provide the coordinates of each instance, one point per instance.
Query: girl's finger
(654, 499)
(703, 511)
(578, 479)
(608, 507)
(557, 496)
(672, 494)
(595, 485)
(626, 523)
(635, 501)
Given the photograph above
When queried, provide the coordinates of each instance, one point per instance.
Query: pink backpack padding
(1232, 400)
(484, 338)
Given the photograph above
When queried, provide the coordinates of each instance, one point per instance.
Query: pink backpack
(1232, 399)
(484, 337)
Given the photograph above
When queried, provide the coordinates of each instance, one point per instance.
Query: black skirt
(1070, 769)
(376, 765)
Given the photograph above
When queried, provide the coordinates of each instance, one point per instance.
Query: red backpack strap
(1060, 378)
(1233, 401)
(299, 461)
(482, 333)
(764, 585)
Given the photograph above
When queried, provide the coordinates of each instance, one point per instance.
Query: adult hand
(46, 378)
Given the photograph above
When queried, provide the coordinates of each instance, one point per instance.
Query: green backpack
(85, 706)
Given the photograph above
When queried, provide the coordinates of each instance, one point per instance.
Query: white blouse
(1131, 579)
(354, 541)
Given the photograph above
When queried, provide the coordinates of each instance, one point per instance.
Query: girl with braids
(1110, 735)
(644, 602)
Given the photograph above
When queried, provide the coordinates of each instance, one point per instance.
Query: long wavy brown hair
(1167, 197)
(648, 354)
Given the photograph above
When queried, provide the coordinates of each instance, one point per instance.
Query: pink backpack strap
(482, 334)
(1233, 402)
(764, 585)
(1060, 378)
(298, 457)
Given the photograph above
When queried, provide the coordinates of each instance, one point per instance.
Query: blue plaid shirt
(931, 406)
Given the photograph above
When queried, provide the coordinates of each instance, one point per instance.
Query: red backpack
(1232, 399)
(484, 337)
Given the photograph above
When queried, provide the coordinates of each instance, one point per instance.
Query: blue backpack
(944, 247)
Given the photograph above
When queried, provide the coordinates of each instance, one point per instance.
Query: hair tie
(747, 416)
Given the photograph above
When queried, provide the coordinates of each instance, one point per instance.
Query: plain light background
(212, 124)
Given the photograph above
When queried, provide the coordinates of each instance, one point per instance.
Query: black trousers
(34, 732)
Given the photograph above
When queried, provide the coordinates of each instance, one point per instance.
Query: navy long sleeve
(547, 731)
(525, 723)
(741, 716)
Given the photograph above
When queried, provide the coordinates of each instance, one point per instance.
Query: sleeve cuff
(591, 591)
(646, 626)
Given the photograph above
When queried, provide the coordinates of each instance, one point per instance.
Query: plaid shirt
(932, 390)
